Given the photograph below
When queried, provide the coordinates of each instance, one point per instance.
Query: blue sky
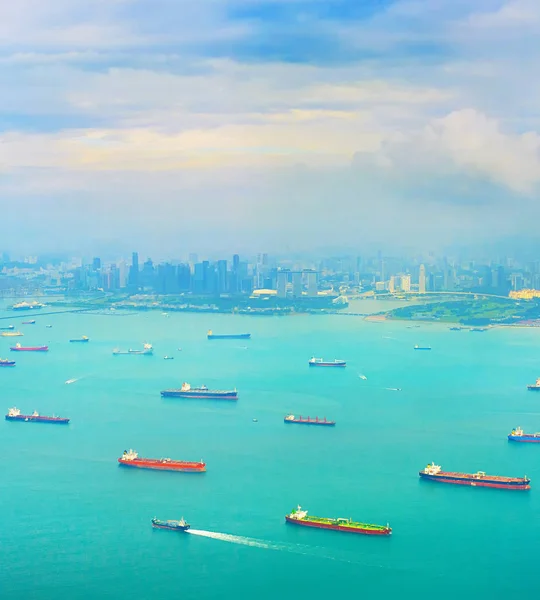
(175, 126)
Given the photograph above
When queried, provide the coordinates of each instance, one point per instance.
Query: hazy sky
(180, 125)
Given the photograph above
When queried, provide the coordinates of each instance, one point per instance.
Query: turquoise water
(74, 525)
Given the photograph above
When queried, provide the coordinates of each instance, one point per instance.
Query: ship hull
(337, 527)
(30, 418)
(179, 528)
(327, 423)
(526, 439)
(199, 395)
(159, 466)
(79, 341)
(491, 483)
(37, 349)
(327, 365)
(233, 336)
(533, 388)
(10, 363)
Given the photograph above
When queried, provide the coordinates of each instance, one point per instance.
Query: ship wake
(236, 539)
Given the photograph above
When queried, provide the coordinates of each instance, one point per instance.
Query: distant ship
(480, 479)
(417, 347)
(456, 328)
(27, 306)
(8, 328)
(19, 348)
(147, 350)
(478, 329)
(5, 362)
(319, 362)
(186, 391)
(180, 525)
(14, 414)
(517, 435)
(535, 387)
(131, 459)
(308, 420)
(300, 517)
(31, 322)
(228, 336)
(11, 334)
(82, 339)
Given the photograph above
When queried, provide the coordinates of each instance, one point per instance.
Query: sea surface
(73, 524)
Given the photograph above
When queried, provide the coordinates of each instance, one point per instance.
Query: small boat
(70, 381)
(82, 339)
(300, 517)
(417, 347)
(393, 389)
(255, 420)
(535, 387)
(319, 362)
(147, 350)
(19, 348)
(363, 377)
(180, 525)
(8, 328)
(11, 334)
(517, 435)
(5, 362)
(308, 420)
(228, 336)
(168, 358)
(14, 414)
(456, 328)
(32, 322)
(48, 326)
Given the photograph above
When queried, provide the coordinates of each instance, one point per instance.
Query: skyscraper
(96, 263)
(282, 277)
(133, 278)
(405, 283)
(122, 274)
(297, 284)
(311, 283)
(422, 280)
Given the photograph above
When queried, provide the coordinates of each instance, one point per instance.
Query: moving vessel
(229, 336)
(11, 334)
(8, 328)
(82, 339)
(300, 517)
(130, 458)
(19, 348)
(535, 387)
(433, 473)
(319, 362)
(27, 306)
(186, 391)
(180, 525)
(518, 435)
(308, 420)
(14, 414)
(147, 350)
(417, 347)
(5, 362)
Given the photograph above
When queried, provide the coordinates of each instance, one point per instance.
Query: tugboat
(202, 392)
(535, 387)
(300, 517)
(8, 328)
(82, 339)
(319, 362)
(433, 472)
(308, 420)
(14, 414)
(180, 525)
(31, 322)
(5, 362)
(517, 435)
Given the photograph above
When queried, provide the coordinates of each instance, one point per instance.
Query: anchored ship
(8, 328)
(433, 473)
(147, 350)
(27, 306)
(417, 347)
(11, 334)
(518, 435)
(228, 336)
(82, 339)
(186, 391)
(300, 517)
(31, 322)
(5, 362)
(308, 420)
(130, 458)
(535, 387)
(14, 414)
(319, 362)
(19, 348)
(180, 525)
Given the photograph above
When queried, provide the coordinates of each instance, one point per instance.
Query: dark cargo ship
(14, 414)
(433, 472)
(228, 336)
(308, 420)
(202, 392)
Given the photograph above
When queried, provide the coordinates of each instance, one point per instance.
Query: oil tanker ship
(300, 517)
(518, 435)
(319, 362)
(228, 336)
(19, 348)
(535, 387)
(14, 414)
(180, 525)
(433, 473)
(186, 391)
(308, 420)
(130, 458)
(5, 362)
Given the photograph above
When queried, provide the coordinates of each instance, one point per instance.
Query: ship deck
(343, 523)
(475, 477)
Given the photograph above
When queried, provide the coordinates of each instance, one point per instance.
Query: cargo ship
(308, 420)
(130, 458)
(14, 414)
(517, 435)
(417, 347)
(228, 336)
(19, 348)
(535, 387)
(82, 339)
(300, 517)
(5, 362)
(433, 473)
(8, 328)
(31, 322)
(319, 362)
(147, 350)
(180, 525)
(11, 334)
(186, 391)
(27, 306)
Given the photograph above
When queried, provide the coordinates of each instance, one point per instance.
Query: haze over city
(233, 125)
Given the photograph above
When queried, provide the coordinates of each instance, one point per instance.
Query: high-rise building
(122, 274)
(297, 284)
(422, 280)
(406, 283)
(133, 278)
(96, 263)
(282, 277)
(222, 280)
(312, 289)
(392, 284)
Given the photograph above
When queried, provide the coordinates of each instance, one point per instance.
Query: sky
(173, 126)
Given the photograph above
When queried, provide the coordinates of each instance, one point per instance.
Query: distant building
(297, 284)
(133, 278)
(282, 278)
(422, 280)
(392, 284)
(405, 283)
(312, 288)
(96, 263)
(122, 274)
